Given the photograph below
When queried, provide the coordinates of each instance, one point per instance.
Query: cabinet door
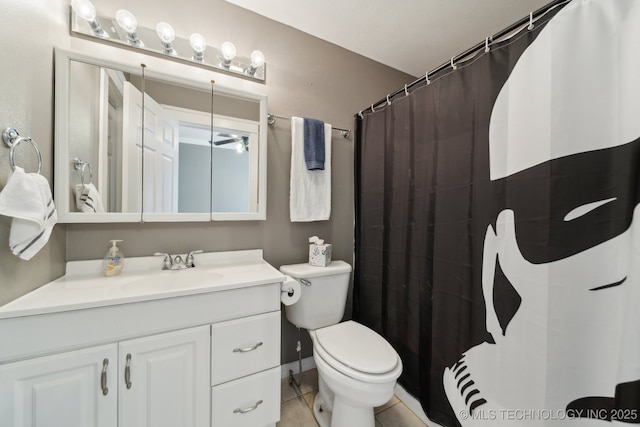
(73, 389)
(164, 380)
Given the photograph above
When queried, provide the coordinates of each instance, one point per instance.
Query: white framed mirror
(201, 156)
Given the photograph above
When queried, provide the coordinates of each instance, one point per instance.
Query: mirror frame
(62, 156)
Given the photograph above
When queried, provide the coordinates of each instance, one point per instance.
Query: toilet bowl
(357, 368)
(357, 371)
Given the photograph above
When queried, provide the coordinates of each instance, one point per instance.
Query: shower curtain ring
(406, 92)
(372, 110)
(530, 27)
(486, 45)
(388, 102)
(453, 65)
(426, 77)
(360, 115)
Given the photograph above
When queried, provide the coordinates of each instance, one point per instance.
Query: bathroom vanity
(193, 347)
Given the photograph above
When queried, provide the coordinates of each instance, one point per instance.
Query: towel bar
(12, 138)
(271, 119)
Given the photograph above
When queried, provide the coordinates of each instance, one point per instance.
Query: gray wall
(305, 77)
(30, 29)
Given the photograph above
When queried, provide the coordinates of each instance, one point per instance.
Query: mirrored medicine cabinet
(134, 144)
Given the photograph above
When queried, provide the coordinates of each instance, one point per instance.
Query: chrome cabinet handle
(103, 377)
(127, 372)
(249, 409)
(246, 349)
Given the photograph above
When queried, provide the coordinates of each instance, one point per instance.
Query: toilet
(357, 368)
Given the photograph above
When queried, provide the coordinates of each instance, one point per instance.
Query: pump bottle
(113, 260)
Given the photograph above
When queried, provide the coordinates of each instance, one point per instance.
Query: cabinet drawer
(244, 346)
(252, 401)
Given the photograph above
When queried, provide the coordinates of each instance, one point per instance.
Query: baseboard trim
(307, 364)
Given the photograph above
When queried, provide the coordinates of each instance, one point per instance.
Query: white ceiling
(414, 36)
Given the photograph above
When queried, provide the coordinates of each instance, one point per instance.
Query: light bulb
(228, 51)
(257, 59)
(165, 32)
(167, 35)
(199, 45)
(84, 9)
(128, 23)
(126, 20)
(87, 11)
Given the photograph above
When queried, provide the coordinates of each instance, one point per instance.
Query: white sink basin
(171, 280)
(142, 279)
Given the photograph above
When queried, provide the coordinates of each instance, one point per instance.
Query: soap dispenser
(113, 260)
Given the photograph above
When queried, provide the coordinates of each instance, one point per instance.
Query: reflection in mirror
(104, 140)
(162, 163)
(224, 166)
(201, 156)
(184, 172)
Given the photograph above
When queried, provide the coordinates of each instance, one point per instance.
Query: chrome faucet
(167, 261)
(177, 262)
(190, 258)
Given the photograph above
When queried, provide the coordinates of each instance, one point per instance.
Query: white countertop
(85, 286)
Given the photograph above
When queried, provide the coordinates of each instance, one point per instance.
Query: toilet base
(322, 415)
(343, 415)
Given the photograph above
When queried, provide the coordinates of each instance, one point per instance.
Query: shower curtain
(498, 227)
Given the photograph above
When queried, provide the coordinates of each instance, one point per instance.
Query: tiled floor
(296, 409)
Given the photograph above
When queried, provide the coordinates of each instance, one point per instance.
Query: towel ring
(79, 165)
(12, 138)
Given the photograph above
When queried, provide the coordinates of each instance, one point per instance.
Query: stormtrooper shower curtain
(498, 227)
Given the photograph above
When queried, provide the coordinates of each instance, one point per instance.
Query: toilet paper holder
(290, 291)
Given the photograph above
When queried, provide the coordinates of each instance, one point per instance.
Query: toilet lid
(358, 347)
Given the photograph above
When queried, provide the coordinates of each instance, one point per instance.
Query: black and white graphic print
(561, 248)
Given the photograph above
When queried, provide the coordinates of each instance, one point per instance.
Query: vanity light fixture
(257, 61)
(199, 45)
(87, 11)
(129, 24)
(123, 29)
(228, 53)
(167, 35)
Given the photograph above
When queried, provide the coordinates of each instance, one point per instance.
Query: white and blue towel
(27, 198)
(310, 190)
(88, 198)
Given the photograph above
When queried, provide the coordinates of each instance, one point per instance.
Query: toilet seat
(358, 352)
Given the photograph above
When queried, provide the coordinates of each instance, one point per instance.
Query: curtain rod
(271, 119)
(533, 16)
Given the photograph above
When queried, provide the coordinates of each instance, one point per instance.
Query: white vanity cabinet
(164, 380)
(245, 372)
(71, 389)
(161, 348)
(160, 380)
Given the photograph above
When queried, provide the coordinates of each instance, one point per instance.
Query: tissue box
(320, 255)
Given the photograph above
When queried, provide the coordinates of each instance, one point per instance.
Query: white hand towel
(88, 199)
(27, 198)
(310, 190)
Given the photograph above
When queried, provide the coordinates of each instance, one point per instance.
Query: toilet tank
(321, 303)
